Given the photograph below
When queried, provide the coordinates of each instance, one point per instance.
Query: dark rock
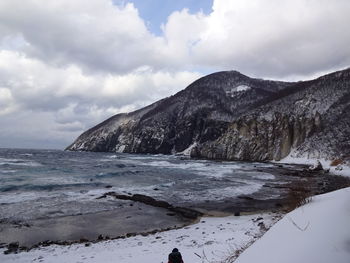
(186, 212)
(339, 168)
(131, 234)
(237, 213)
(12, 248)
(246, 197)
(150, 201)
(13, 245)
(171, 214)
(23, 248)
(316, 167)
(108, 186)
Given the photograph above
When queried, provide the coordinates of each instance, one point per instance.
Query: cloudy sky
(67, 65)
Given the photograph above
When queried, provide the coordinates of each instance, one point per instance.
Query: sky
(67, 65)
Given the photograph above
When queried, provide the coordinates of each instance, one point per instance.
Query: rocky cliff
(227, 115)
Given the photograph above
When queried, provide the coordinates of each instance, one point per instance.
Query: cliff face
(227, 115)
(252, 139)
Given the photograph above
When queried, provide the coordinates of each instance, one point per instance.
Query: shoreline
(132, 219)
(208, 239)
(171, 216)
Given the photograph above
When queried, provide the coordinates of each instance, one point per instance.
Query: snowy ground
(211, 240)
(318, 232)
(342, 169)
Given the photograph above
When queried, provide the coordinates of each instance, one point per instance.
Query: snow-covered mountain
(227, 115)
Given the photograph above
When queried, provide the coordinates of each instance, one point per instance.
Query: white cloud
(32, 84)
(265, 38)
(94, 34)
(72, 64)
(181, 34)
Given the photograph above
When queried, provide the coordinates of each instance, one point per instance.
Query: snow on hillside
(318, 232)
(242, 88)
(238, 89)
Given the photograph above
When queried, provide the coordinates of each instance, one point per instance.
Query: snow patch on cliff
(187, 152)
(233, 91)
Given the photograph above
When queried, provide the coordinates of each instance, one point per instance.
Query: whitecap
(18, 162)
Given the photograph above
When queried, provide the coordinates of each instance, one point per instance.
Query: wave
(8, 171)
(222, 193)
(49, 187)
(109, 175)
(18, 162)
(202, 168)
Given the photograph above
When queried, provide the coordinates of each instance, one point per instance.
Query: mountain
(227, 115)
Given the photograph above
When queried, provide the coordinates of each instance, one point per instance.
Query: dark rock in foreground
(182, 211)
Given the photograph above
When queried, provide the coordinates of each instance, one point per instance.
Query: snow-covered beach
(213, 239)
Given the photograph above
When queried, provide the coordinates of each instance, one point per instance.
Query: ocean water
(49, 183)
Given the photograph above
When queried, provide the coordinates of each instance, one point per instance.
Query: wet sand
(131, 217)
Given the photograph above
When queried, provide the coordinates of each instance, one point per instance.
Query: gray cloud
(67, 65)
(32, 130)
(66, 101)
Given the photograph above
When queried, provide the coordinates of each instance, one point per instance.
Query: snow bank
(343, 169)
(318, 232)
(210, 240)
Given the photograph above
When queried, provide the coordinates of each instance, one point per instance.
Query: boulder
(316, 167)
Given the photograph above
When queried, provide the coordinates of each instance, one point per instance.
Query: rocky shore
(144, 215)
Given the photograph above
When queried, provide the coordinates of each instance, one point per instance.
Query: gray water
(49, 183)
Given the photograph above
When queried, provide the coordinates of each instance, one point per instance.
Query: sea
(36, 184)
